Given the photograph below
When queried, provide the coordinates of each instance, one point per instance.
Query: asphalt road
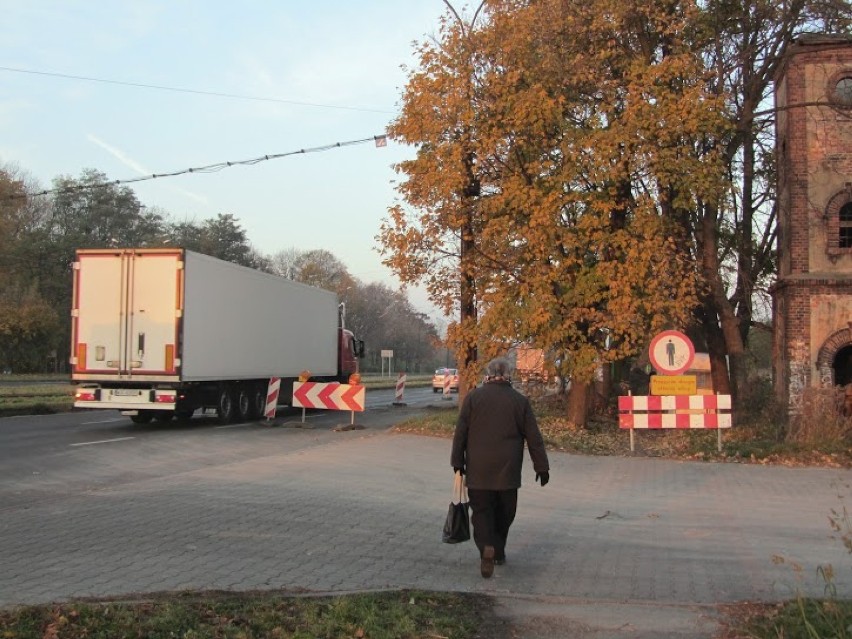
(92, 505)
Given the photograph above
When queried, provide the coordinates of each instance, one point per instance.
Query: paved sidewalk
(612, 547)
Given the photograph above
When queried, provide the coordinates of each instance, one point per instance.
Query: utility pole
(469, 195)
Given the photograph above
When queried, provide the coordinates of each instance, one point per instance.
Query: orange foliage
(579, 123)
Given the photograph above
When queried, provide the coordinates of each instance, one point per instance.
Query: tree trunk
(716, 349)
(718, 304)
(578, 403)
(745, 249)
(467, 293)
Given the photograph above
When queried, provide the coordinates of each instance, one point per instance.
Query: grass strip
(43, 406)
(384, 615)
(801, 617)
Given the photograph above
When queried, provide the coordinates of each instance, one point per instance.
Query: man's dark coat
(494, 422)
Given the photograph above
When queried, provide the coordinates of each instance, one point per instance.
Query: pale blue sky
(330, 52)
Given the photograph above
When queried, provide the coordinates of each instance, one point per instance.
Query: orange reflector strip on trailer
(81, 356)
(170, 358)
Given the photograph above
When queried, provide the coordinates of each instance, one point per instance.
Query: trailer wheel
(142, 417)
(225, 408)
(244, 404)
(258, 402)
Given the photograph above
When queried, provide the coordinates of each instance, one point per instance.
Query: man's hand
(543, 477)
(460, 471)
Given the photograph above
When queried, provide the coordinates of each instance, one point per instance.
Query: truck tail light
(86, 395)
(165, 399)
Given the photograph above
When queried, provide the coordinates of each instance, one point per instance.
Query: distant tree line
(39, 235)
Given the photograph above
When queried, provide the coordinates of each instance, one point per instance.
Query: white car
(438, 380)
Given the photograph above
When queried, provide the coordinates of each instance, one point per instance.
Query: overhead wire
(379, 140)
(218, 94)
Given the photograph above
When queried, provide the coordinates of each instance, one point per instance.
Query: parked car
(438, 380)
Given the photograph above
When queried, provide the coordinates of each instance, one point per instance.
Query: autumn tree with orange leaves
(581, 126)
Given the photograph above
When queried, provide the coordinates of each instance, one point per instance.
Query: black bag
(457, 525)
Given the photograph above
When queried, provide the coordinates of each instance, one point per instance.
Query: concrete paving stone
(637, 535)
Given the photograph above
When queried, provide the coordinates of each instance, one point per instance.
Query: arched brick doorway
(834, 362)
(843, 366)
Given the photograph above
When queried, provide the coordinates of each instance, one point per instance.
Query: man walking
(488, 445)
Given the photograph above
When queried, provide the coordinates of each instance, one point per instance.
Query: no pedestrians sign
(671, 353)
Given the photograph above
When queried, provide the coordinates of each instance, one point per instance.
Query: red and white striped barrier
(331, 396)
(447, 379)
(400, 389)
(272, 397)
(675, 412)
(668, 411)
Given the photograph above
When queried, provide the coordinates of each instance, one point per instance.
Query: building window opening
(842, 95)
(845, 238)
(843, 366)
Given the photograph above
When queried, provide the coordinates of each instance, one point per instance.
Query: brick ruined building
(812, 297)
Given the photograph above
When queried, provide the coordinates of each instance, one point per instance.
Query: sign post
(389, 354)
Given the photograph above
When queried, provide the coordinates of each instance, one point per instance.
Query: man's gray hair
(498, 367)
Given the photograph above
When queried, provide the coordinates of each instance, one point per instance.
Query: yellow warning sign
(674, 385)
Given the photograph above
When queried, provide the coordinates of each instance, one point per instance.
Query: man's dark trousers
(492, 513)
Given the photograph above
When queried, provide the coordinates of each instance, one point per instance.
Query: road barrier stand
(272, 398)
(400, 390)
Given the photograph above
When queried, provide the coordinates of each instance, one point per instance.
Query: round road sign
(671, 353)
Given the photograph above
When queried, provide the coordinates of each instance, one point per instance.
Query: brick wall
(814, 153)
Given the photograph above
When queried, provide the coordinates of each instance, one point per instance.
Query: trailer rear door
(127, 308)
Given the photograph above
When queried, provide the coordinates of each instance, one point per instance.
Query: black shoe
(486, 566)
(500, 561)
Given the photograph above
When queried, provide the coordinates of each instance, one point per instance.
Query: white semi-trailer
(159, 333)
